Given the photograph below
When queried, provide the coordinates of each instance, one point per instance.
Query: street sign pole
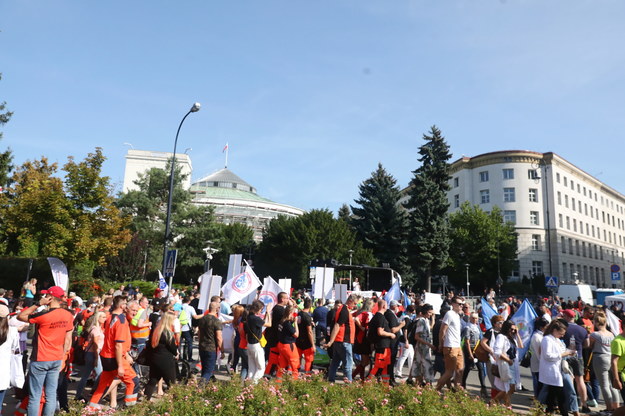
(170, 267)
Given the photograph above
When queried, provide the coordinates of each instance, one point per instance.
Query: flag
(59, 273)
(487, 313)
(524, 319)
(225, 147)
(406, 299)
(162, 284)
(240, 286)
(613, 322)
(269, 292)
(394, 293)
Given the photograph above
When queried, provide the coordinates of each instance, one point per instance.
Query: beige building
(140, 161)
(570, 224)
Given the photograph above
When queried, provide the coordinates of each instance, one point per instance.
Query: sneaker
(585, 409)
(592, 403)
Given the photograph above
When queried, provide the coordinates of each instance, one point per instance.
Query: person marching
(287, 334)
(381, 335)
(306, 340)
(271, 334)
(115, 355)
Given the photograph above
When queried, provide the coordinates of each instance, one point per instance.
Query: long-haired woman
(505, 352)
(552, 351)
(254, 325)
(9, 340)
(362, 345)
(29, 289)
(94, 328)
(600, 342)
(287, 335)
(163, 354)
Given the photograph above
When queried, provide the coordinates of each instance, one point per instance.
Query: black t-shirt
(393, 322)
(272, 333)
(254, 329)
(286, 332)
(379, 321)
(303, 341)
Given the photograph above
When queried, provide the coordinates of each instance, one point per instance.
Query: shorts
(577, 366)
(454, 358)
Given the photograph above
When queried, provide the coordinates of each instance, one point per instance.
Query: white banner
(340, 292)
(324, 277)
(59, 273)
(285, 284)
(234, 266)
(435, 300)
(209, 287)
(240, 286)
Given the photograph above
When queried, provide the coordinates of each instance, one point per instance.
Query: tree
(232, 239)
(380, 222)
(6, 157)
(428, 242)
(291, 243)
(345, 213)
(190, 227)
(74, 220)
(484, 242)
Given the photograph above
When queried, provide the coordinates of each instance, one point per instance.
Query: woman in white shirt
(505, 350)
(9, 340)
(552, 350)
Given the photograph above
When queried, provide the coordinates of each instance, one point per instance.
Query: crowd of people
(104, 342)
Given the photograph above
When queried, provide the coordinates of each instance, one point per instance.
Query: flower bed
(311, 397)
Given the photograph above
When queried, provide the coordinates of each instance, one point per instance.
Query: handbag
(262, 341)
(527, 358)
(494, 369)
(587, 369)
(17, 371)
(480, 353)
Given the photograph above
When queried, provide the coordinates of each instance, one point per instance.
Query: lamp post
(468, 283)
(351, 253)
(195, 108)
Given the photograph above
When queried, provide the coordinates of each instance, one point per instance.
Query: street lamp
(194, 109)
(351, 253)
(468, 283)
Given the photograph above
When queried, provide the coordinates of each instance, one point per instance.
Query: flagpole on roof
(226, 148)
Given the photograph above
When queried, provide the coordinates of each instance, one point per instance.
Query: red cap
(55, 291)
(567, 313)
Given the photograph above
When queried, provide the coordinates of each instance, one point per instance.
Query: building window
(559, 198)
(572, 185)
(535, 242)
(568, 222)
(456, 182)
(533, 195)
(578, 189)
(565, 181)
(508, 195)
(484, 176)
(583, 249)
(558, 177)
(577, 247)
(485, 196)
(508, 173)
(534, 218)
(573, 203)
(574, 225)
(457, 201)
(566, 201)
(509, 216)
(570, 246)
(532, 174)
(560, 221)
(537, 267)
(563, 244)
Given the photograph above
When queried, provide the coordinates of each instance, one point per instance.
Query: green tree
(74, 220)
(190, 227)
(291, 243)
(484, 242)
(128, 264)
(380, 222)
(6, 157)
(345, 213)
(428, 243)
(232, 239)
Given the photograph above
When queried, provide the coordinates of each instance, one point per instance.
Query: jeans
(91, 361)
(244, 363)
(569, 393)
(43, 374)
(342, 352)
(2, 398)
(209, 360)
(537, 385)
(187, 350)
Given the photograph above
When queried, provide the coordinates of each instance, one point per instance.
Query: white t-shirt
(452, 337)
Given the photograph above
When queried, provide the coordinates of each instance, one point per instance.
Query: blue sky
(311, 95)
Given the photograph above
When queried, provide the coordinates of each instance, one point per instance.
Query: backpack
(411, 330)
(79, 342)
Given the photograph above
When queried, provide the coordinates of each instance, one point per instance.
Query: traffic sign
(616, 276)
(170, 263)
(551, 281)
(615, 268)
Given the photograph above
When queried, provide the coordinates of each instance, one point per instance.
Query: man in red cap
(575, 338)
(52, 340)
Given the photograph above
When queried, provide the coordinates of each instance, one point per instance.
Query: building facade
(140, 161)
(569, 224)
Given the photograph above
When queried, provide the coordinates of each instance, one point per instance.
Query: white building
(570, 224)
(140, 161)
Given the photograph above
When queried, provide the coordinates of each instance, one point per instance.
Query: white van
(572, 292)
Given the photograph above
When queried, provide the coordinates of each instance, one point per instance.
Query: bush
(311, 397)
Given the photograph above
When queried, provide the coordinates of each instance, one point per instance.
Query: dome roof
(224, 178)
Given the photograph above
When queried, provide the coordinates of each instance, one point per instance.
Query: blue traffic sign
(616, 276)
(551, 281)
(170, 263)
(615, 268)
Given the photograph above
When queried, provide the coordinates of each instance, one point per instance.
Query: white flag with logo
(59, 272)
(240, 286)
(269, 292)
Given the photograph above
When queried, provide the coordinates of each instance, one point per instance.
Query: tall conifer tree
(429, 241)
(380, 222)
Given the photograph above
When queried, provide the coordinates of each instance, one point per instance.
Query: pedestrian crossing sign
(551, 281)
